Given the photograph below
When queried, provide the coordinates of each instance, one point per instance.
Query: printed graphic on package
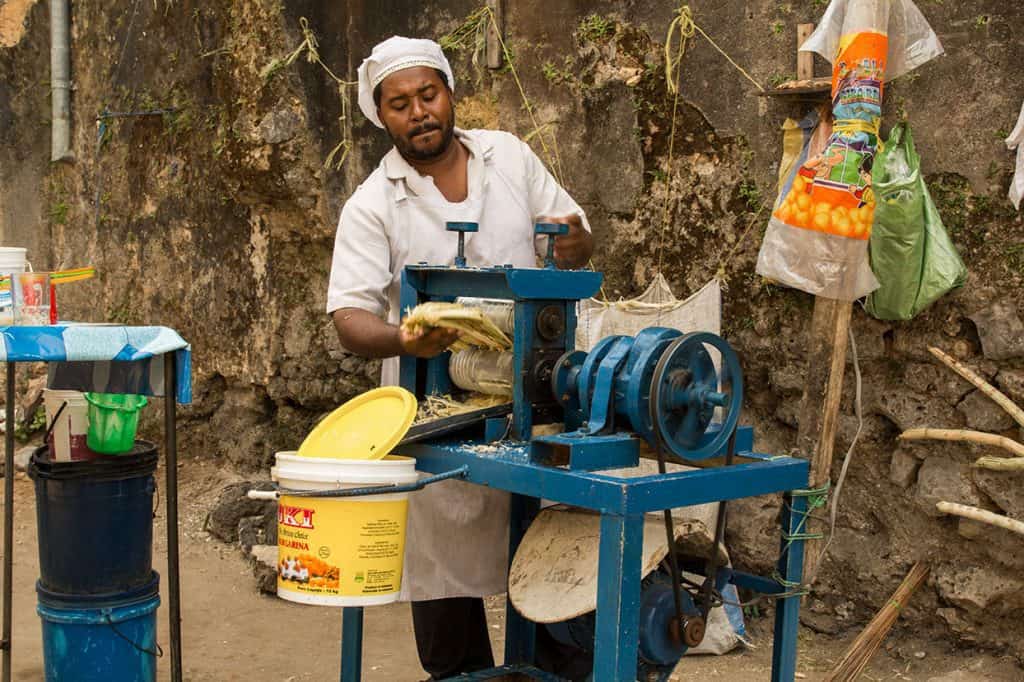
(832, 191)
(341, 548)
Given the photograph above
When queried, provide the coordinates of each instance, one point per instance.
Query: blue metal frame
(526, 469)
(622, 502)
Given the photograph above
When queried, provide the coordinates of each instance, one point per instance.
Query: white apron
(457, 533)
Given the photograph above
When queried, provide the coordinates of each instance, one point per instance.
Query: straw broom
(863, 648)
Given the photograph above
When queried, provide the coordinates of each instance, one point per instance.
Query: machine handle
(462, 229)
(461, 472)
(552, 230)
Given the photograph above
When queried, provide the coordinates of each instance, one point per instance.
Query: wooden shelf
(811, 88)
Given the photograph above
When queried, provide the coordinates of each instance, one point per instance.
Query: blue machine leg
(618, 598)
(520, 633)
(351, 644)
(787, 611)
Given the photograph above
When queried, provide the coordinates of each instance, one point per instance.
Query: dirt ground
(230, 632)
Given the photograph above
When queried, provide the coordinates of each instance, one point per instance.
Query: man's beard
(411, 152)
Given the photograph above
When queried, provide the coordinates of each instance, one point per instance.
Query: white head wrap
(394, 54)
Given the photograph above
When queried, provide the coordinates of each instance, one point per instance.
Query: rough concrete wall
(218, 219)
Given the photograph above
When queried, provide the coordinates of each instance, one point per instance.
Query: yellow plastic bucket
(341, 551)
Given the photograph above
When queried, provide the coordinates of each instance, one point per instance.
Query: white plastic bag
(912, 42)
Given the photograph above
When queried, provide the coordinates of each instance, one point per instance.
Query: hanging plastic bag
(817, 237)
(911, 254)
(911, 40)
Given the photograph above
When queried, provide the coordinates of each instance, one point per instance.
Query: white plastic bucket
(12, 260)
(67, 441)
(341, 551)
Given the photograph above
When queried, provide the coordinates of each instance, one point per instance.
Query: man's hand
(572, 250)
(427, 343)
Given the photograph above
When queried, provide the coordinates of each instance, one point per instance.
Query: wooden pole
(826, 362)
(804, 60)
(819, 410)
(493, 44)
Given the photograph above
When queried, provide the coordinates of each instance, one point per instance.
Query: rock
(787, 413)
(1004, 487)
(280, 126)
(953, 618)
(787, 377)
(846, 610)
(909, 410)
(903, 467)
(754, 543)
(933, 379)
(822, 623)
(1001, 331)
(258, 530)
(981, 413)
(232, 506)
(978, 589)
(1011, 382)
(1007, 549)
(264, 567)
(942, 479)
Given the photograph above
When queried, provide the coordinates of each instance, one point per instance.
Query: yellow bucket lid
(366, 427)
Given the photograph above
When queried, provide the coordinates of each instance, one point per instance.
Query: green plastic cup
(113, 421)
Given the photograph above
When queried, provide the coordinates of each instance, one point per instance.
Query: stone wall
(217, 218)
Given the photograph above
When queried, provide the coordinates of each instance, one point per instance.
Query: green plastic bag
(911, 253)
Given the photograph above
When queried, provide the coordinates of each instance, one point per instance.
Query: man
(456, 550)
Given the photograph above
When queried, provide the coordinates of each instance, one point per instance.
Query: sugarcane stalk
(988, 389)
(965, 436)
(1000, 463)
(982, 516)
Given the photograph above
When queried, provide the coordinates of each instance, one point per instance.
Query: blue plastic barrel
(95, 522)
(110, 639)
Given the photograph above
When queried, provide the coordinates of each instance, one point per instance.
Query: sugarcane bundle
(475, 329)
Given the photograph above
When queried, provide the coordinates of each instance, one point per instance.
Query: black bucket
(95, 522)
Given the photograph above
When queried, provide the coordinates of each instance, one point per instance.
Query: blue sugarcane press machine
(660, 386)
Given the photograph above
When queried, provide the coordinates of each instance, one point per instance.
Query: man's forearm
(365, 334)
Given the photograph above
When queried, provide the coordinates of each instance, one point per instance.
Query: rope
(684, 26)
(680, 30)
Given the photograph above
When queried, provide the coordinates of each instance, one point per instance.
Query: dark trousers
(452, 638)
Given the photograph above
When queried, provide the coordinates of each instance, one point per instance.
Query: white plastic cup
(12, 261)
(67, 440)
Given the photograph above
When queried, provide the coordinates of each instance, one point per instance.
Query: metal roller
(482, 371)
(499, 312)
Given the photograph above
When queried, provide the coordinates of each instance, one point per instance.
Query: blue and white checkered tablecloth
(102, 358)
